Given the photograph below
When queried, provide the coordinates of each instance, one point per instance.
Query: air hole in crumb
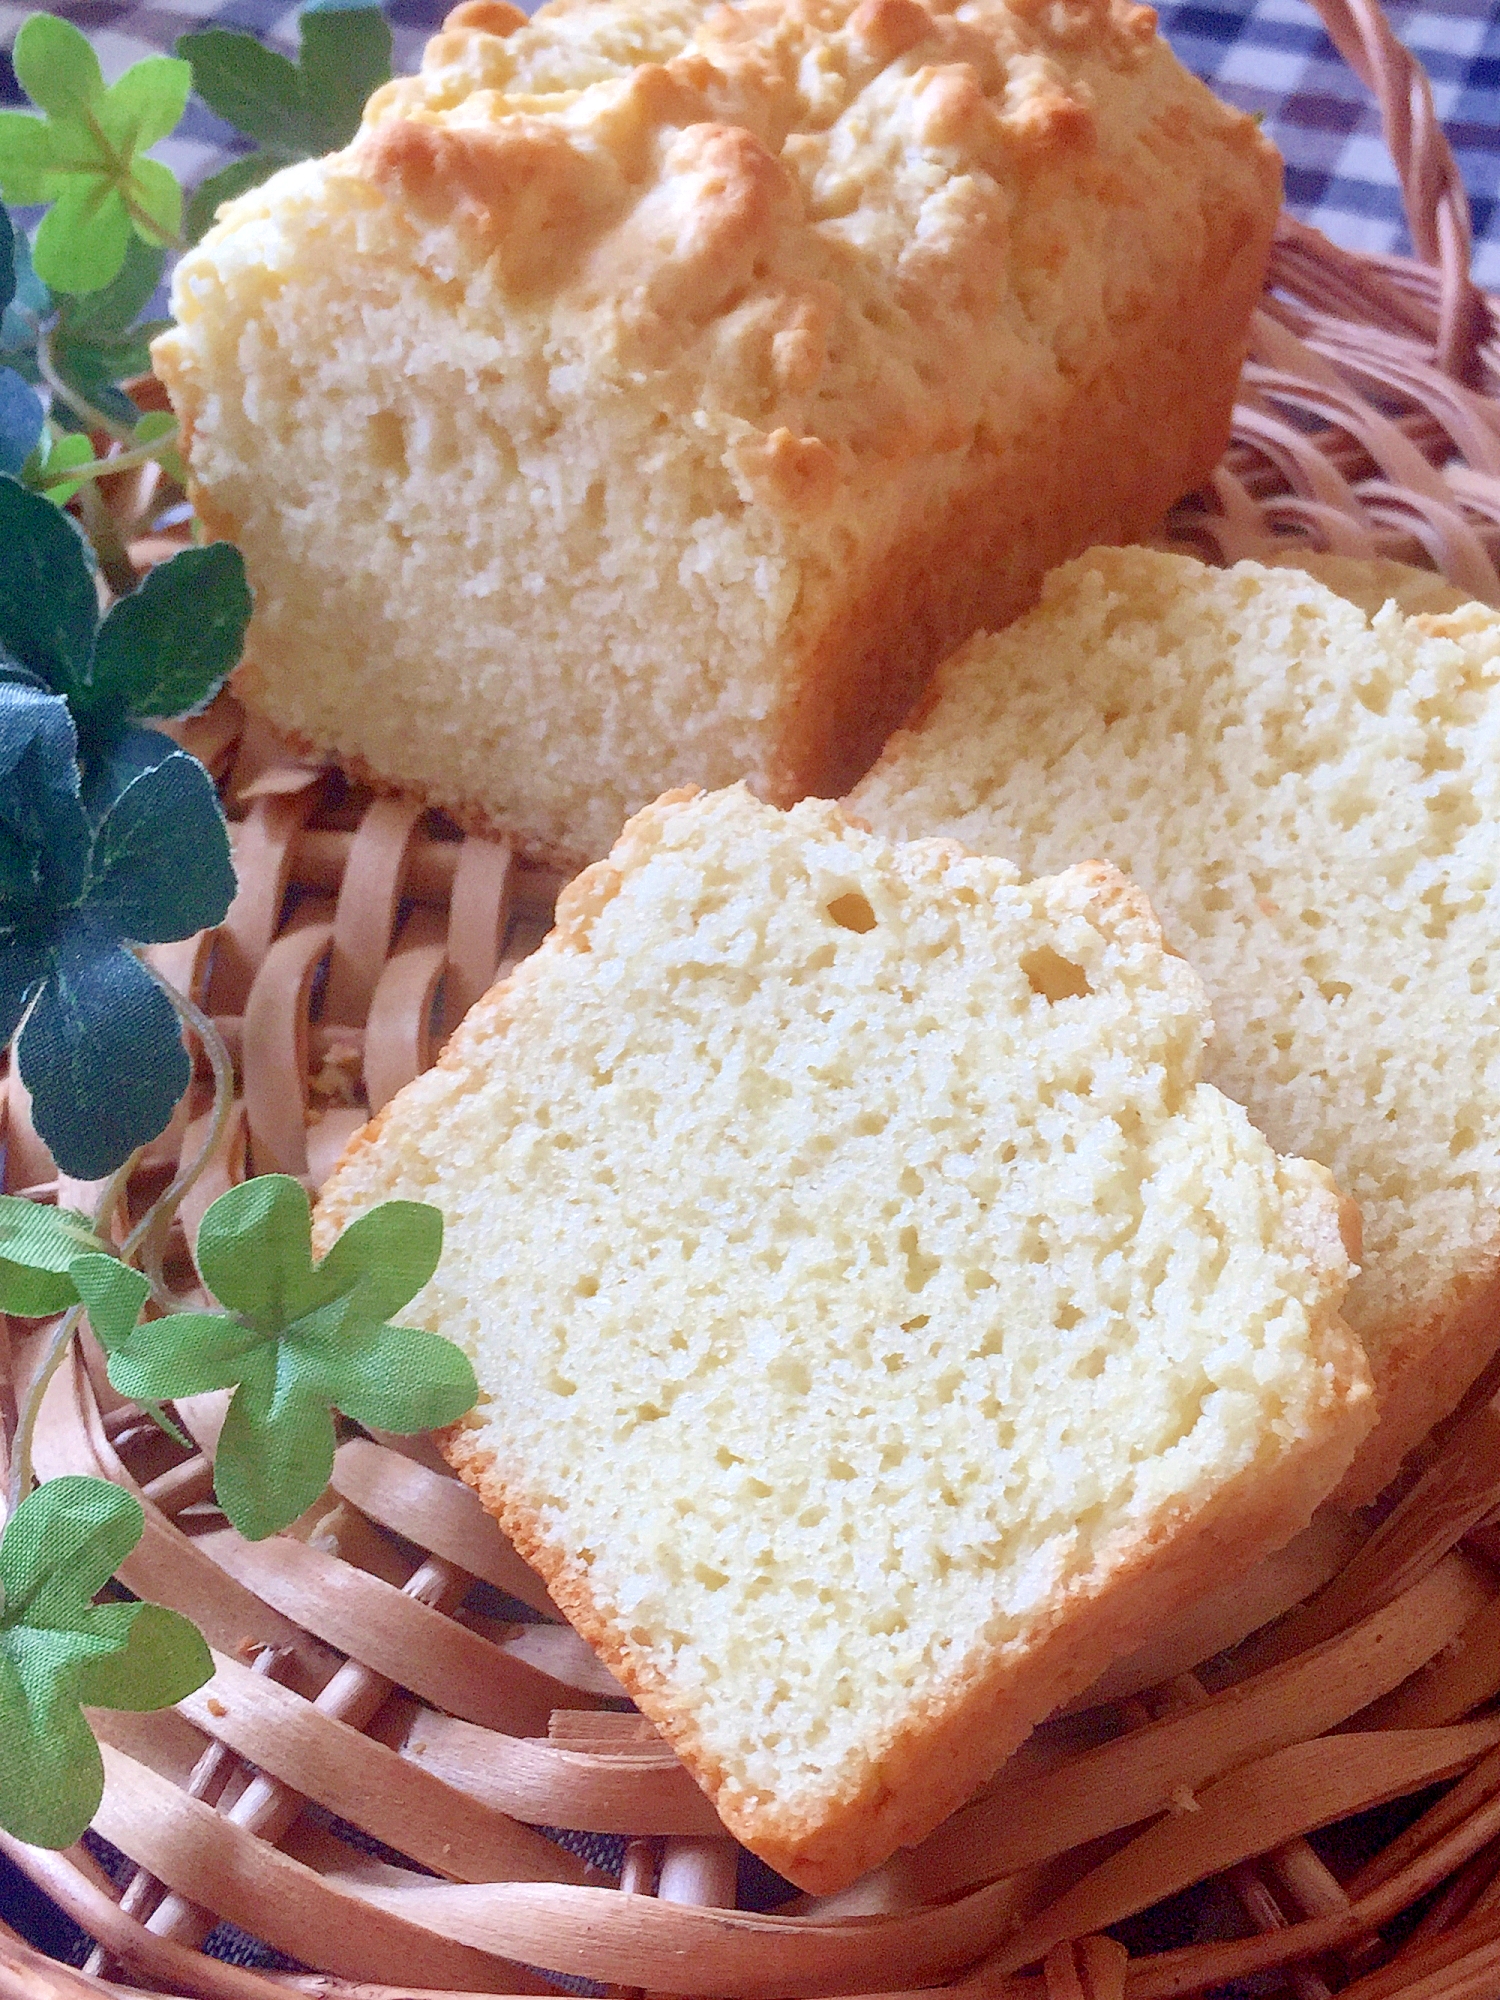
(852, 912)
(387, 440)
(1053, 976)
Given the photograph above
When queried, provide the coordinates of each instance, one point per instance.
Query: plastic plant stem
(148, 1234)
(75, 400)
(20, 1463)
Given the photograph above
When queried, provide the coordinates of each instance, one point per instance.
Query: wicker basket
(396, 1707)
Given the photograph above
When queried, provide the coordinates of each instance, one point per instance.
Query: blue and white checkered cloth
(1270, 56)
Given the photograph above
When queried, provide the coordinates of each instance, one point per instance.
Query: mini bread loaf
(880, 1326)
(654, 391)
(1307, 786)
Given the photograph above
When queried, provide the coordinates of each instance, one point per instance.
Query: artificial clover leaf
(167, 647)
(38, 1247)
(100, 340)
(21, 413)
(300, 1340)
(294, 111)
(110, 836)
(58, 1650)
(49, 606)
(87, 154)
(113, 1293)
(162, 650)
(55, 458)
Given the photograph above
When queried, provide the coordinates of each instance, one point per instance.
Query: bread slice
(656, 390)
(880, 1327)
(1307, 786)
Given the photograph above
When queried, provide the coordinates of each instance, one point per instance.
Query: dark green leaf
(101, 1054)
(346, 54)
(21, 421)
(113, 763)
(56, 67)
(44, 835)
(48, 605)
(237, 178)
(114, 1295)
(23, 967)
(257, 91)
(7, 260)
(399, 1378)
(167, 647)
(19, 320)
(275, 1452)
(160, 868)
(186, 1354)
(255, 1251)
(384, 1258)
(164, 1660)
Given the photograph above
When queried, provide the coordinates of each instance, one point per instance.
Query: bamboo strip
(440, 1513)
(1293, 1791)
(207, 1859)
(383, 1628)
(1452, 1683)
(1169, 1974)
(1456, 1492)
(400, 1801)
(268, 1809)
(639, 1790)
(155, 1961)
(1481, 1784)
(1464, 1943)
(677, 1948)
(1143, 1773)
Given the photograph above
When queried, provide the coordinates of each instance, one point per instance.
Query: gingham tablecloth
(1271, 57)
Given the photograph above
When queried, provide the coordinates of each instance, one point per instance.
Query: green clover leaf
(113, 1293)
(58, 1650)
(299, 1340)
(38, 1247)
(86, 154)
(294, 111)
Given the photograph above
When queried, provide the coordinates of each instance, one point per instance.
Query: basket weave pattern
(371, 1682)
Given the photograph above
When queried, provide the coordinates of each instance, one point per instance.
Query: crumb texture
(1307, 785)
(863, 1286)
(654, 390)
